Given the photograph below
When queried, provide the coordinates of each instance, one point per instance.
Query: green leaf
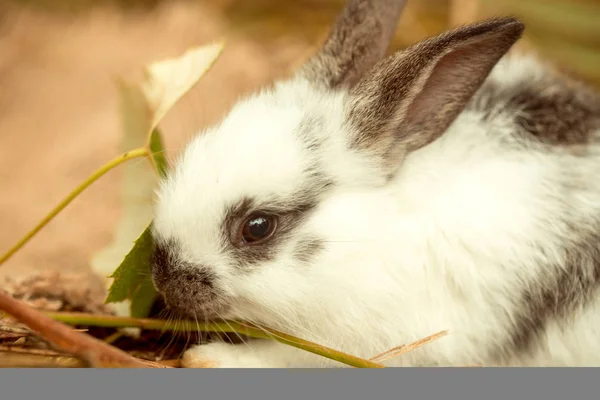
(142, 108)
(167, 81)
(158, 153)
(132, 279)
(136, 196)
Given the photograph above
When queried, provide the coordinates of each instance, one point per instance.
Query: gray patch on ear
(307, 248)
(557, 296)
(549, 111)
(359, 38)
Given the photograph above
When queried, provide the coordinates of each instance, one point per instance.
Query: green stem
(230, 326)
(141, 152)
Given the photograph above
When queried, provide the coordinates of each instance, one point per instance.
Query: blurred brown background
(58, 105)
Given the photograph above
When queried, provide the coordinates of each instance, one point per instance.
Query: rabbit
(367, 201)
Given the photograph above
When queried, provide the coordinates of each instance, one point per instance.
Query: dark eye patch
(289, 218)
(291, 214)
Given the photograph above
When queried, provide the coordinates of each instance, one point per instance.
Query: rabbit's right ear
(410, 98)
(359, 38)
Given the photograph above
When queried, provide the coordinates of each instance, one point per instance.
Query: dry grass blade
(164, 363)
(222, 327)
(96, 352)
(19, 357)
(397, 351)
(11, 333)
(23, 360)
(36, 352)
(7, 332)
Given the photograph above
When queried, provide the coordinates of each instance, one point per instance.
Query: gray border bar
(389, 383)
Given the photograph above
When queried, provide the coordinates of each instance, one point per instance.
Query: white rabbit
(371, 201)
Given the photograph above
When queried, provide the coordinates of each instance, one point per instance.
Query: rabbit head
(281, 211)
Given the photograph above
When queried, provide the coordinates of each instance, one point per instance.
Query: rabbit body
(488, 228)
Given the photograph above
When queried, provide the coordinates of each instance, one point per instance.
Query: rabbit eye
(258, 227)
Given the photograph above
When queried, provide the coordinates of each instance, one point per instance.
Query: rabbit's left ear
(410, 98)
(359, 38)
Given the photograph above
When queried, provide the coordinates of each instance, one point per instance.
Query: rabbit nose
(183, 286)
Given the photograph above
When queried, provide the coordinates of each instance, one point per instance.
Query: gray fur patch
(549, 111)
(308, 132)
(557, 297)
(307, 248)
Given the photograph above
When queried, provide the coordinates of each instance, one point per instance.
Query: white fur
(445, 246)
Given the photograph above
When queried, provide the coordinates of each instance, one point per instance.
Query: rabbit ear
(410, 98)
(359, 38)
